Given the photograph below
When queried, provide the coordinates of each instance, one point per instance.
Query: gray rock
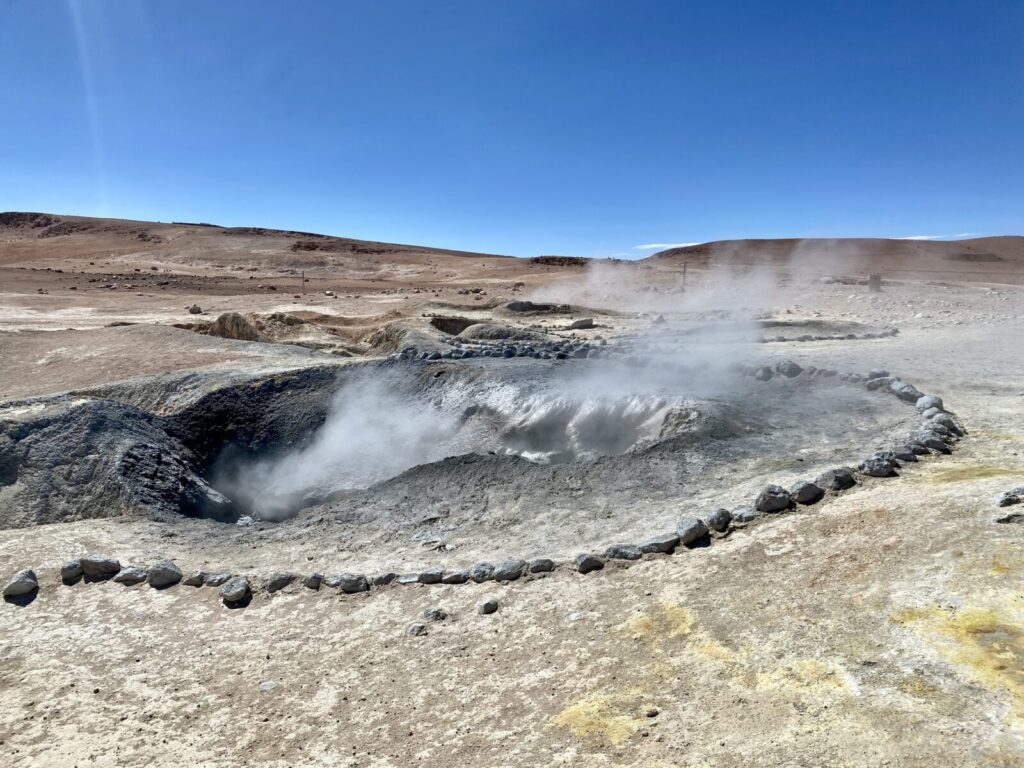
(774, 498)
(22, 583)
(235, 589)
(623, 552)
(789, 369)
(313, 581)
(719, 520)
(418, 630)
(455, 577)
(542, 565)
(408, 578)
(877, 373)
(488, 605)
(509, 570)
(690, 528)
(130, 575)
(217, 579)
(764, 373)
(930, 413)
(918, 448)
(349, 583)
(431, 576)
(164, 574)
(71, 571)
(587, 562)
(804, 492)
(435, 614)
(665, 543)
(280, 580)
(481, 572)
(888, 456)
(98, 567)
(745, 515)
(904, 453)
(876, 467)
(906, 392)
(382, 580)
(878, 383)
(195, 579)
(928, 401)
(947, 421)
(1011, 497)
(934, 443)
(838, 479)
(581, 324)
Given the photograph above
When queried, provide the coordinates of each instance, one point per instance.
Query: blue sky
(582, 127)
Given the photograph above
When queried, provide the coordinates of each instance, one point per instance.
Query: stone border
(940, 430)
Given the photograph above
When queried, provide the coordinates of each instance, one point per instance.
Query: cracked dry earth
(882, 628)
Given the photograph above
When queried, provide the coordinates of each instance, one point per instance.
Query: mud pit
(406, 463)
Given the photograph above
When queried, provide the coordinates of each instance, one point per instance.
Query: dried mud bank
(937, 434)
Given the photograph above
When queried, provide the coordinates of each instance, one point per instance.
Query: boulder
(232, 325)
(280, 580)
(431, 575)
(488, 606)
(195, 579)
(586, 563)
(314, 580)
(235, 589)
(805, 492)
(906, 392)
(581, 324)
(481, 572)
(98, 567)
(876, 467)
(690, 528)
(789, 369)
(382, 580)
(164, 574)
(877, 373)
(774, 498)
(435, 614)
(744, 515)
(509, 570)
(878, 382)
(623, 552)
(665, 543)
(542, 565)
(719, 520)
(904, 453)
(217, 579)
(130, 575)
(838, 479)
(71, 571)
(349, 583)
(21, 584)
(928, 401)
(455, 577)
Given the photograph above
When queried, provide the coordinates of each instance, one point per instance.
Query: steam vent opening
(390, 447)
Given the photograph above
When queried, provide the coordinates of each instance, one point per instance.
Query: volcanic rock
(195, 579)
(587, 562)
(488, 606)
(719, 520)
(690, 529)
(98, 567)
(928, 401)
(509, 570)
(542, 565)
(280, 580)
(804, 492)
(22, 583)
(314, 580)
(455, 577)
(217, 579)
(838, 479)
(235, 589)
(130, 575)
(623, 552)
(774, 498)
(481, 572)
(435, 614)
(665, 543)
(164, 574)
(71, 571)
(877, 467)
(431, 576)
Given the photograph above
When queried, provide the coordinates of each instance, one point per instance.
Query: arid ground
(882, 626)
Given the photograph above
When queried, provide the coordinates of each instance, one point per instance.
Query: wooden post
(303, 278)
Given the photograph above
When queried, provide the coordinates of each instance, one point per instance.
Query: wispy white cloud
(661, 246)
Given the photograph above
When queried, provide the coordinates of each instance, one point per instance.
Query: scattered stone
(22, 583)
(71, 571)
(509, 570)
(195, 309)
(876, 467)
(665, 544)
(690, 528)
(804, 492)
(481, 572)
(195, 579)
(838, 479)
(218, 579)
(418, 630)
(235, 589)
(130, 575)
(774, 498)
(314, 580)
(789, 369)
(280, 580)
(542, 565)
(745, 515)
(431, 576)
(435, 614)
(98, 567)
(719, 520)
(488, 606)
(164, 574)
(623, 552)
(349, 583)
(586, 563)
(929, 401)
